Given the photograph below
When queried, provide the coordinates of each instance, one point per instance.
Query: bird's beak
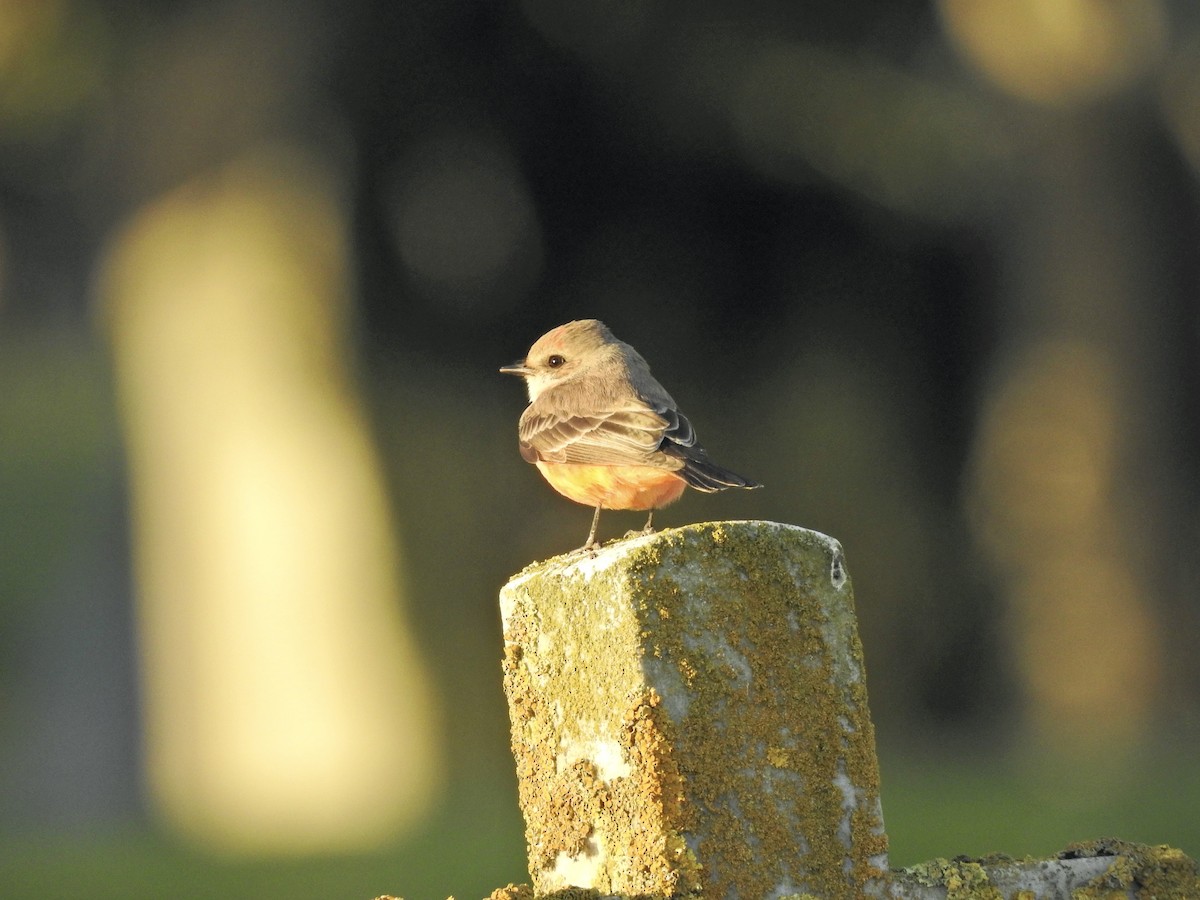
(517, 368)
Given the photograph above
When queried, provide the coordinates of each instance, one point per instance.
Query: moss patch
(1147, 873)
(594, 772)
(963, 879)
(795, 721)
(1150, 873)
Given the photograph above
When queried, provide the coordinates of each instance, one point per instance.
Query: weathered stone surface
(689, 711)
(1108, 869)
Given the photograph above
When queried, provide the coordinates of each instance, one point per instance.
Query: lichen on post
(689, 712)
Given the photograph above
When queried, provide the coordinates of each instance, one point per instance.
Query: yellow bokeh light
(286, 709)
(1045, 510)
(1059, 52)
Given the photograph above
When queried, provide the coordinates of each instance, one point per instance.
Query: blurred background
(928, 270)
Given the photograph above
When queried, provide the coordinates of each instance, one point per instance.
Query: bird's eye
(555, 361)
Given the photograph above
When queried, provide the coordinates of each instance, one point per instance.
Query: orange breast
(614, 487)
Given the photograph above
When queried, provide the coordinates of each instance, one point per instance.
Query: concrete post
(689, 711)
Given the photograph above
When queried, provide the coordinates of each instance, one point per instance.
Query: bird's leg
(590, 543)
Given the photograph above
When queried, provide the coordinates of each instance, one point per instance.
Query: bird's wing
(678, 431)
(626, 436)
(679, 442)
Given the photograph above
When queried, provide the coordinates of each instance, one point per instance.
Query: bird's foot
(638, 532)
(648, 528)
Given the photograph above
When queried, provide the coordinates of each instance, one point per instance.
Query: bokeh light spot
(1059, 52)
(463, 220)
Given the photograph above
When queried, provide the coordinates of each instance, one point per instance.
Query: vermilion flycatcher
(603, 431)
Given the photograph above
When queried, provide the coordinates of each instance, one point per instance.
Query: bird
(601, 429)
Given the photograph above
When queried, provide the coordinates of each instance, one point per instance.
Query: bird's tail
(709, 477)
